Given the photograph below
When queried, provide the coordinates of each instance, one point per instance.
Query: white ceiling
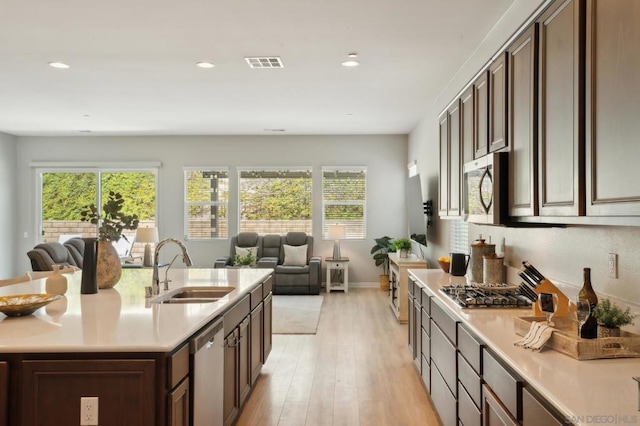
(133, 64)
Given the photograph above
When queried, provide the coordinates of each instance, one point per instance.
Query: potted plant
(111, 225)
(402, 245)
(380, 254)
(247, 260)
(610, 318)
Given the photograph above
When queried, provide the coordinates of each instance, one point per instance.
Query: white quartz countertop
(120, 319)
(599, 391)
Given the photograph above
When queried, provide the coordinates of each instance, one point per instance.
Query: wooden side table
(342, 265)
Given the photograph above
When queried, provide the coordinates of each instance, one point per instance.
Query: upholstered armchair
(44, 255)
(75, 247)
(298, 271)
(245, 240)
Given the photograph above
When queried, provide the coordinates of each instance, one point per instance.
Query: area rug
(296, 314)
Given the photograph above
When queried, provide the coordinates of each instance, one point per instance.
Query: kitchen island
(570, 391)
(117, 344)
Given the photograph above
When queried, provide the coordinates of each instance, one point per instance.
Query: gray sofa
(44, 255)
(302, 278)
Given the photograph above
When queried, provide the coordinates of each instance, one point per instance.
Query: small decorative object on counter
(56, 283)
(459, 264)
(610, 318)
(445, 263)
(89, 284)
(478, 250)
(589, 329)
(492, 269)
(402, 246)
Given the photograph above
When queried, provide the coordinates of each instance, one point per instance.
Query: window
(275, 201)
(344, 200)
(63, 194)
(206, 203)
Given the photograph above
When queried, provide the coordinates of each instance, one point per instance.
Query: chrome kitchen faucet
(155, 285)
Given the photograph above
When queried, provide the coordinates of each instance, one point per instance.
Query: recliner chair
(246, 240)
(44, 255)
(75, 247)
(297, 279)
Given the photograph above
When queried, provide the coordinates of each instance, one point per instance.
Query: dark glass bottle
(589, 329)
(89, 283)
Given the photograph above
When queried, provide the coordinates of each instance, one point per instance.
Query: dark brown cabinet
(244, 354)
(467, 126)
(4, 393)
(481, 115)
(522, 124)
(256, 342)
(450, 161)
(560, 126)
(178, 405)
(493, 412)
(498, 137)
(613, 108)
(267, 324)
(51, 391)
(237, 378)
(231, 404)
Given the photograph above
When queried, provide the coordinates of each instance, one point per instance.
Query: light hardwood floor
(356, 370)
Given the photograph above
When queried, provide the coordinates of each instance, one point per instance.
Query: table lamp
(148, 236)
(337, 233)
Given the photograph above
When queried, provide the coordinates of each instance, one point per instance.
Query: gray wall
(384, 157)
(559, 253)
(8, 206)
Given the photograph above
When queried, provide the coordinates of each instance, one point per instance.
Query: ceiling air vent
(264, 62)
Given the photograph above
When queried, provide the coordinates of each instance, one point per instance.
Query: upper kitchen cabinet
(498, 103)
(450, 161)
(560, 126)
(613, 107)
(467, 125)
(481, 115)
(522, 123)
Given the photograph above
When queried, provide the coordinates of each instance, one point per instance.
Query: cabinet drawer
(447, 324)
(470, 348)
(504, 385)
(470, 380)
(535, 413)
(443, 354)
(267, 286)
(236, 314)
(426, 301)
(177, 366)
(468, 413)
(256, 297)
(426, 345)
(426, 373)
(426, 324)
(443, 399)
(411, 288)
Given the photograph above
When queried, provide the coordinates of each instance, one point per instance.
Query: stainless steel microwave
(485, 189)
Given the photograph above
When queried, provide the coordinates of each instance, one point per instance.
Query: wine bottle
(589, 329)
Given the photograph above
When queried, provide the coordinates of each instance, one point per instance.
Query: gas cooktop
(487, 296)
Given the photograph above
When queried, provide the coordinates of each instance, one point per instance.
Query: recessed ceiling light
(60, 65)
(351, 62)
(84, 131)
(205, 65)
(349, 114)
(274, 130)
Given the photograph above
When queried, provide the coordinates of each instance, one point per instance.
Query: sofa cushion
(244, 251)
(248, 239)
(289, 270)
(296, 238)
(271, 246)
(295, 255)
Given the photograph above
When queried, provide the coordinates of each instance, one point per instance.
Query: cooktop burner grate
(495, 296)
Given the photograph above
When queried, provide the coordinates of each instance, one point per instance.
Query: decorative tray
(565, 340)
(18, 305)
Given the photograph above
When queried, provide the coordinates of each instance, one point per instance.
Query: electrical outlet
(89, 411)
(613, 265)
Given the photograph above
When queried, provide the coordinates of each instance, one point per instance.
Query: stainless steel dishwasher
(207, 396)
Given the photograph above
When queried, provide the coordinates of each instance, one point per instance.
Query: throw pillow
(295, 255)
(244, 251)
(245, 256)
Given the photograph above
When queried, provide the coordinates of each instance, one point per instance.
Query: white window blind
(206, 203)
(458, 236)
(344, 200)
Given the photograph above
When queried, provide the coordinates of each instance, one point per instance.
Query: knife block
(547, 286)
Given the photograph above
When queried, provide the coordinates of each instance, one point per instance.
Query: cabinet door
(256, 342)
(481, 113)
(244, 358)
(493, 412)
(178, 405)
(4, 393)
(522, 124)
(53, 388)
(535, 413)
(411, 329)
(467, 126)
(266, 330)
(613, 110)
(561, 151)
(455, 160)
(231, 402)
(417, 327)
(498, 137)
(443, 193)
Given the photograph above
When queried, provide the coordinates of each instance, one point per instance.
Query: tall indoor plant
(111, 226)
(380, 254)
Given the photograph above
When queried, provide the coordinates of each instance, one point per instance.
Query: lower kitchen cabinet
(494, 413)
(443, 399)
(4, 393)
(178, 405)
(267, 323)
(535, 412)
(257, 326)
(244, 372)
(468, 413)
(51, 391)
(231, 405)
(504, 385)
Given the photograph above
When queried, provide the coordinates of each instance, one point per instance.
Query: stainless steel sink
(194, 295)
